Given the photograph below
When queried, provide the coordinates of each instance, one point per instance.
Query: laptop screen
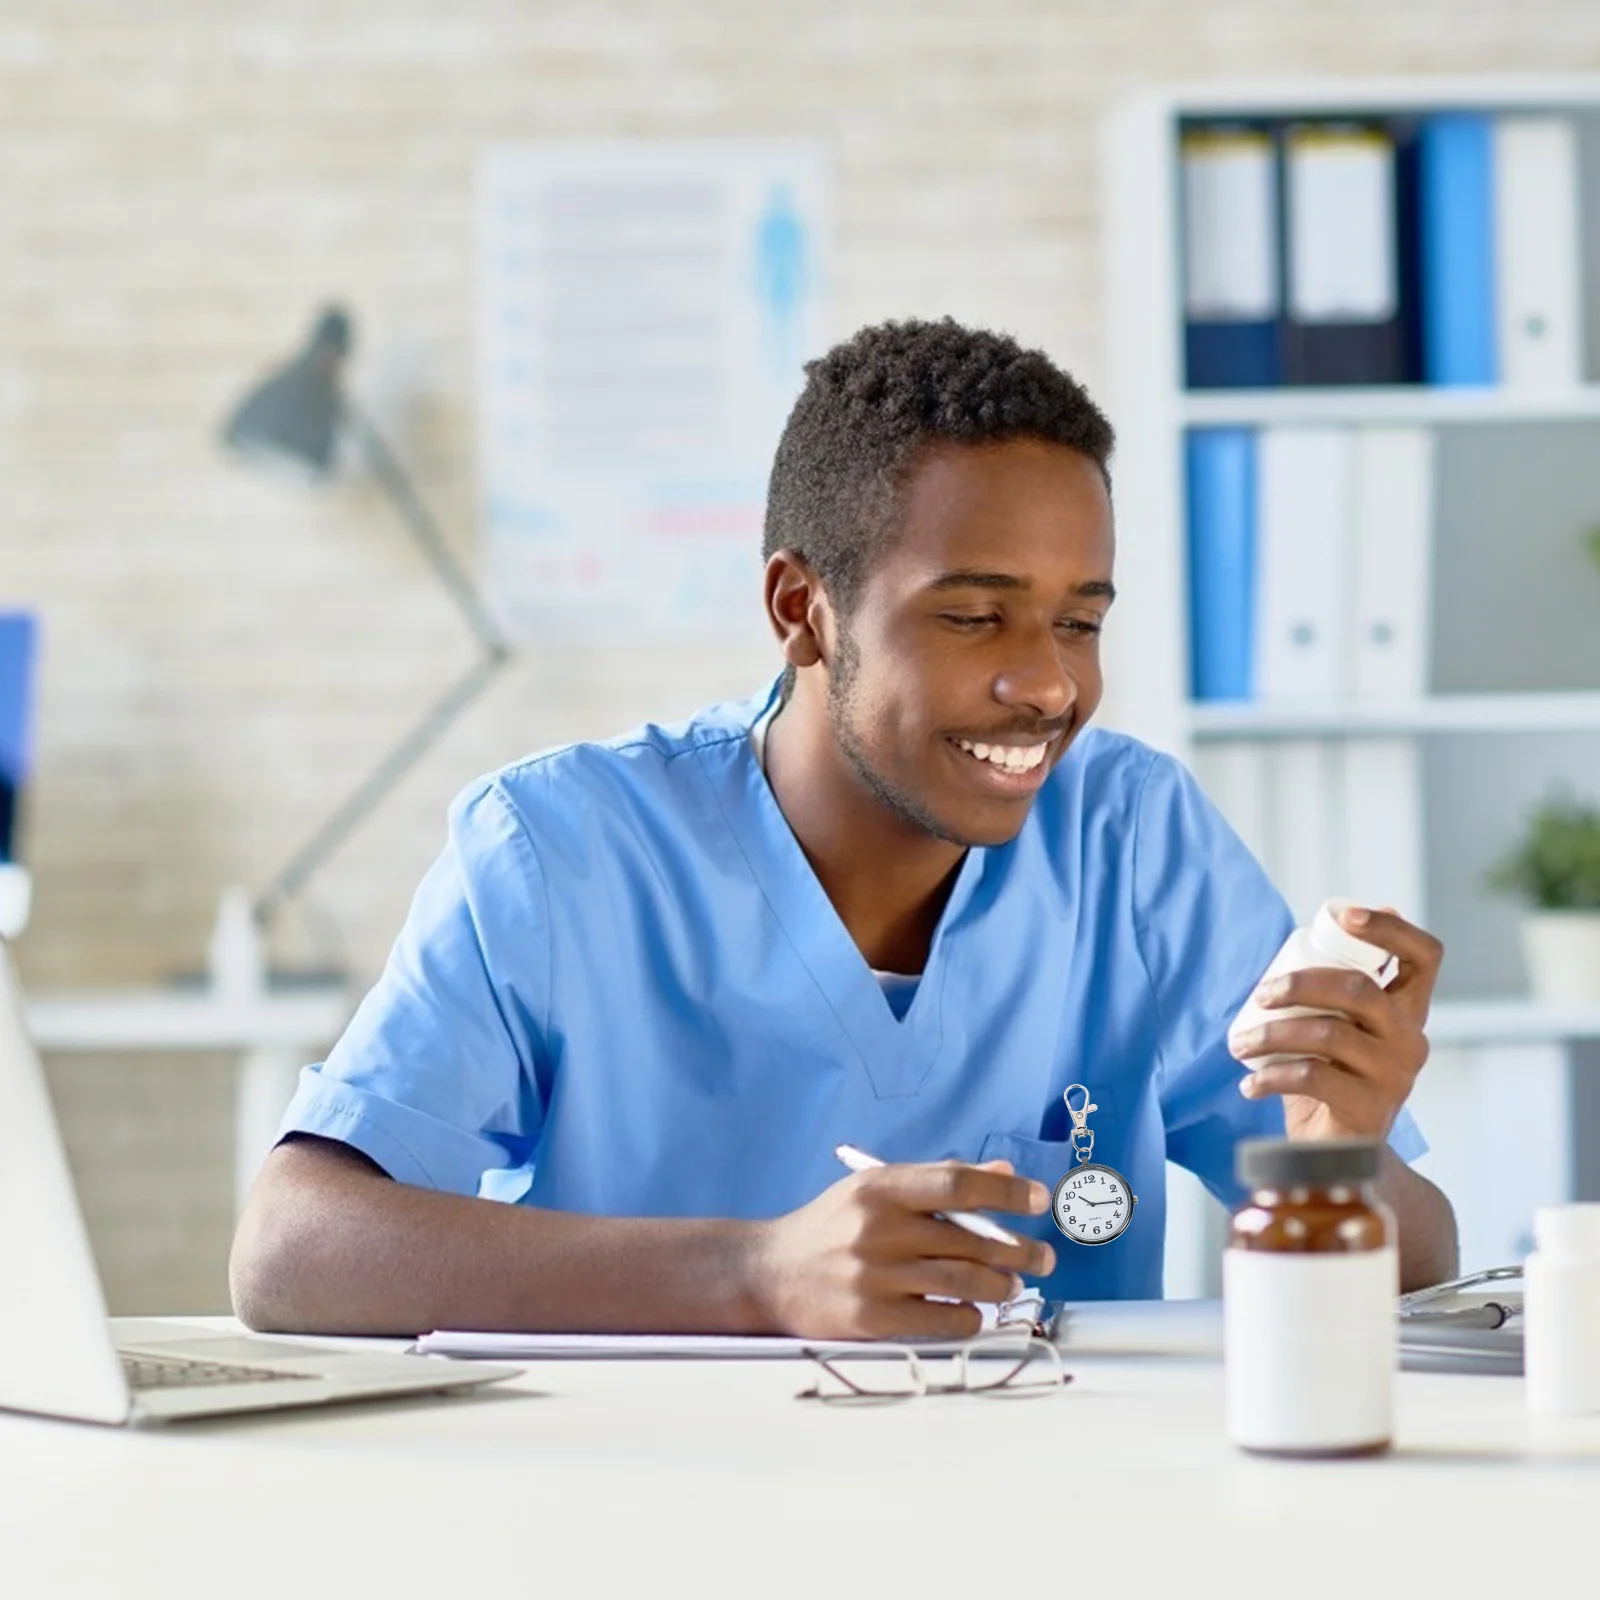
(19, 634)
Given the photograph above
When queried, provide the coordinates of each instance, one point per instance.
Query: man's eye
(1078, 625)
(962, 619)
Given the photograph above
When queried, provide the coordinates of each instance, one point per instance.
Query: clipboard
(1446, 1328)
(1464, 1326)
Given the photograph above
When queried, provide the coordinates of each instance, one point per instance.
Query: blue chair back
(19, 651)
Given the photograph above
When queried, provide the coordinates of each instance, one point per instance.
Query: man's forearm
(329, 1244)
(1427, 1224)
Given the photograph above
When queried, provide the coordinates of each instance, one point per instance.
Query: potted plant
(1555, 870)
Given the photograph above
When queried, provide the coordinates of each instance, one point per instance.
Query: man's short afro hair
(873, 403)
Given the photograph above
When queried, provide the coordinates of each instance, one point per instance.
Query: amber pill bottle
(1310, 1282)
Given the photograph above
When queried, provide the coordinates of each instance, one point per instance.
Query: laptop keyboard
(176, 1372)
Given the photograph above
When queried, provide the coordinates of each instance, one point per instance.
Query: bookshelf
(1395, 404)
(1575, 711)
(1470, 1022)
(1511, 701)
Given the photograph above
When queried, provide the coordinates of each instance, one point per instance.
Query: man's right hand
(861, 1260)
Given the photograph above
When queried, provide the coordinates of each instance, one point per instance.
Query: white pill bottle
(1310, 1280)
(1561, 1311)
(1323, 944)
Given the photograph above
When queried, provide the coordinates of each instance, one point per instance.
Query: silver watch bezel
(1073, 1172)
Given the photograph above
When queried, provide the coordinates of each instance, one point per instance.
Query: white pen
(860, 1161)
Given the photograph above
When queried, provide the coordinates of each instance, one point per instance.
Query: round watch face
(1093, 1204)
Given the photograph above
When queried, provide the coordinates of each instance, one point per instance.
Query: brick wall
(227, 654)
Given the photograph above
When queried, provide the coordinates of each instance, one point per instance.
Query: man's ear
(798, 609)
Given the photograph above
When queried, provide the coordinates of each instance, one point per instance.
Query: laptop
(61, 1357)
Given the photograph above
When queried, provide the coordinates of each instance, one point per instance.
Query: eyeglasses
(1009, 1362)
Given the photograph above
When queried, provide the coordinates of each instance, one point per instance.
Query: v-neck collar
(897, 1054)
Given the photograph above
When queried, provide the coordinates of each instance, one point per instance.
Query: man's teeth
(1008, 757)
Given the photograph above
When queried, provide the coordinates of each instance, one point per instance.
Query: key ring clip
(1081, 1130)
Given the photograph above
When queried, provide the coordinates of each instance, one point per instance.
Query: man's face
(973, 655)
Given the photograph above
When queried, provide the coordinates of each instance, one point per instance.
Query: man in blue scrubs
(902, 897)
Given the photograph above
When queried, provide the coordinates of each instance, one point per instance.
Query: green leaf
(1556, 866)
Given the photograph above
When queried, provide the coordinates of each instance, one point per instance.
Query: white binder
(1234, 777)
(1392, 557)
(1380, 816)
(1230, 235)
(1305, 798)
(1302, 544)
(1539, 305)
(1342, 255)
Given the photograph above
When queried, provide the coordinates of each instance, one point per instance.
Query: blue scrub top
(621, 990)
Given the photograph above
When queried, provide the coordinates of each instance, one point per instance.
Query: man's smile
(1013, 767)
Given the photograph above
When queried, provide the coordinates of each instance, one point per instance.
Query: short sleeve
(1208, 921)
(438, 1077)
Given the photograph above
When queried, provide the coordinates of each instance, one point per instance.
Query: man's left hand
(1356, 1069)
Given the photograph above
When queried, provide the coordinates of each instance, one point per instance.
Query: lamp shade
(296, 411)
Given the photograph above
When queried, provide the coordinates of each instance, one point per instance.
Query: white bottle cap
(1329, 937)
(1574, 1228)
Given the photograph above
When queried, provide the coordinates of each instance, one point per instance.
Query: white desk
(666, 1479)
(274, 1035)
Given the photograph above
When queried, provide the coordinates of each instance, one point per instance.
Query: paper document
(1137, 1327)
(1185, 1328)
(1021, 1312)
(623, 1346)
(1089, 1327)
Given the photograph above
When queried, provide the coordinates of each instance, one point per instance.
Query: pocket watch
(1093, 1203)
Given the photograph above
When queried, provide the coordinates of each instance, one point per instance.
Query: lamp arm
(365, 798)
(391, 475)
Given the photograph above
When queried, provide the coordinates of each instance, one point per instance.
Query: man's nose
(1038, 678)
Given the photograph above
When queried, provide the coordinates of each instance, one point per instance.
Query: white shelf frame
(272, 1035)
(1474, 1022)
(1398, 404)
(1507, 90)
(1574, 711)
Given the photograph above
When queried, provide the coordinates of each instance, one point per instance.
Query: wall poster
(645, 310)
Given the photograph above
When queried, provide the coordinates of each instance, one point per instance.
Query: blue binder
(1232, 355)
(1457, 246)
(18, 649)
(1221, 468)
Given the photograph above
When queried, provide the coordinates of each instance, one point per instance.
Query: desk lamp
(299, 414)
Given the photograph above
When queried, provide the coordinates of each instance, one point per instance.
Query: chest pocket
(1052, 1153)
(1129, 1268)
